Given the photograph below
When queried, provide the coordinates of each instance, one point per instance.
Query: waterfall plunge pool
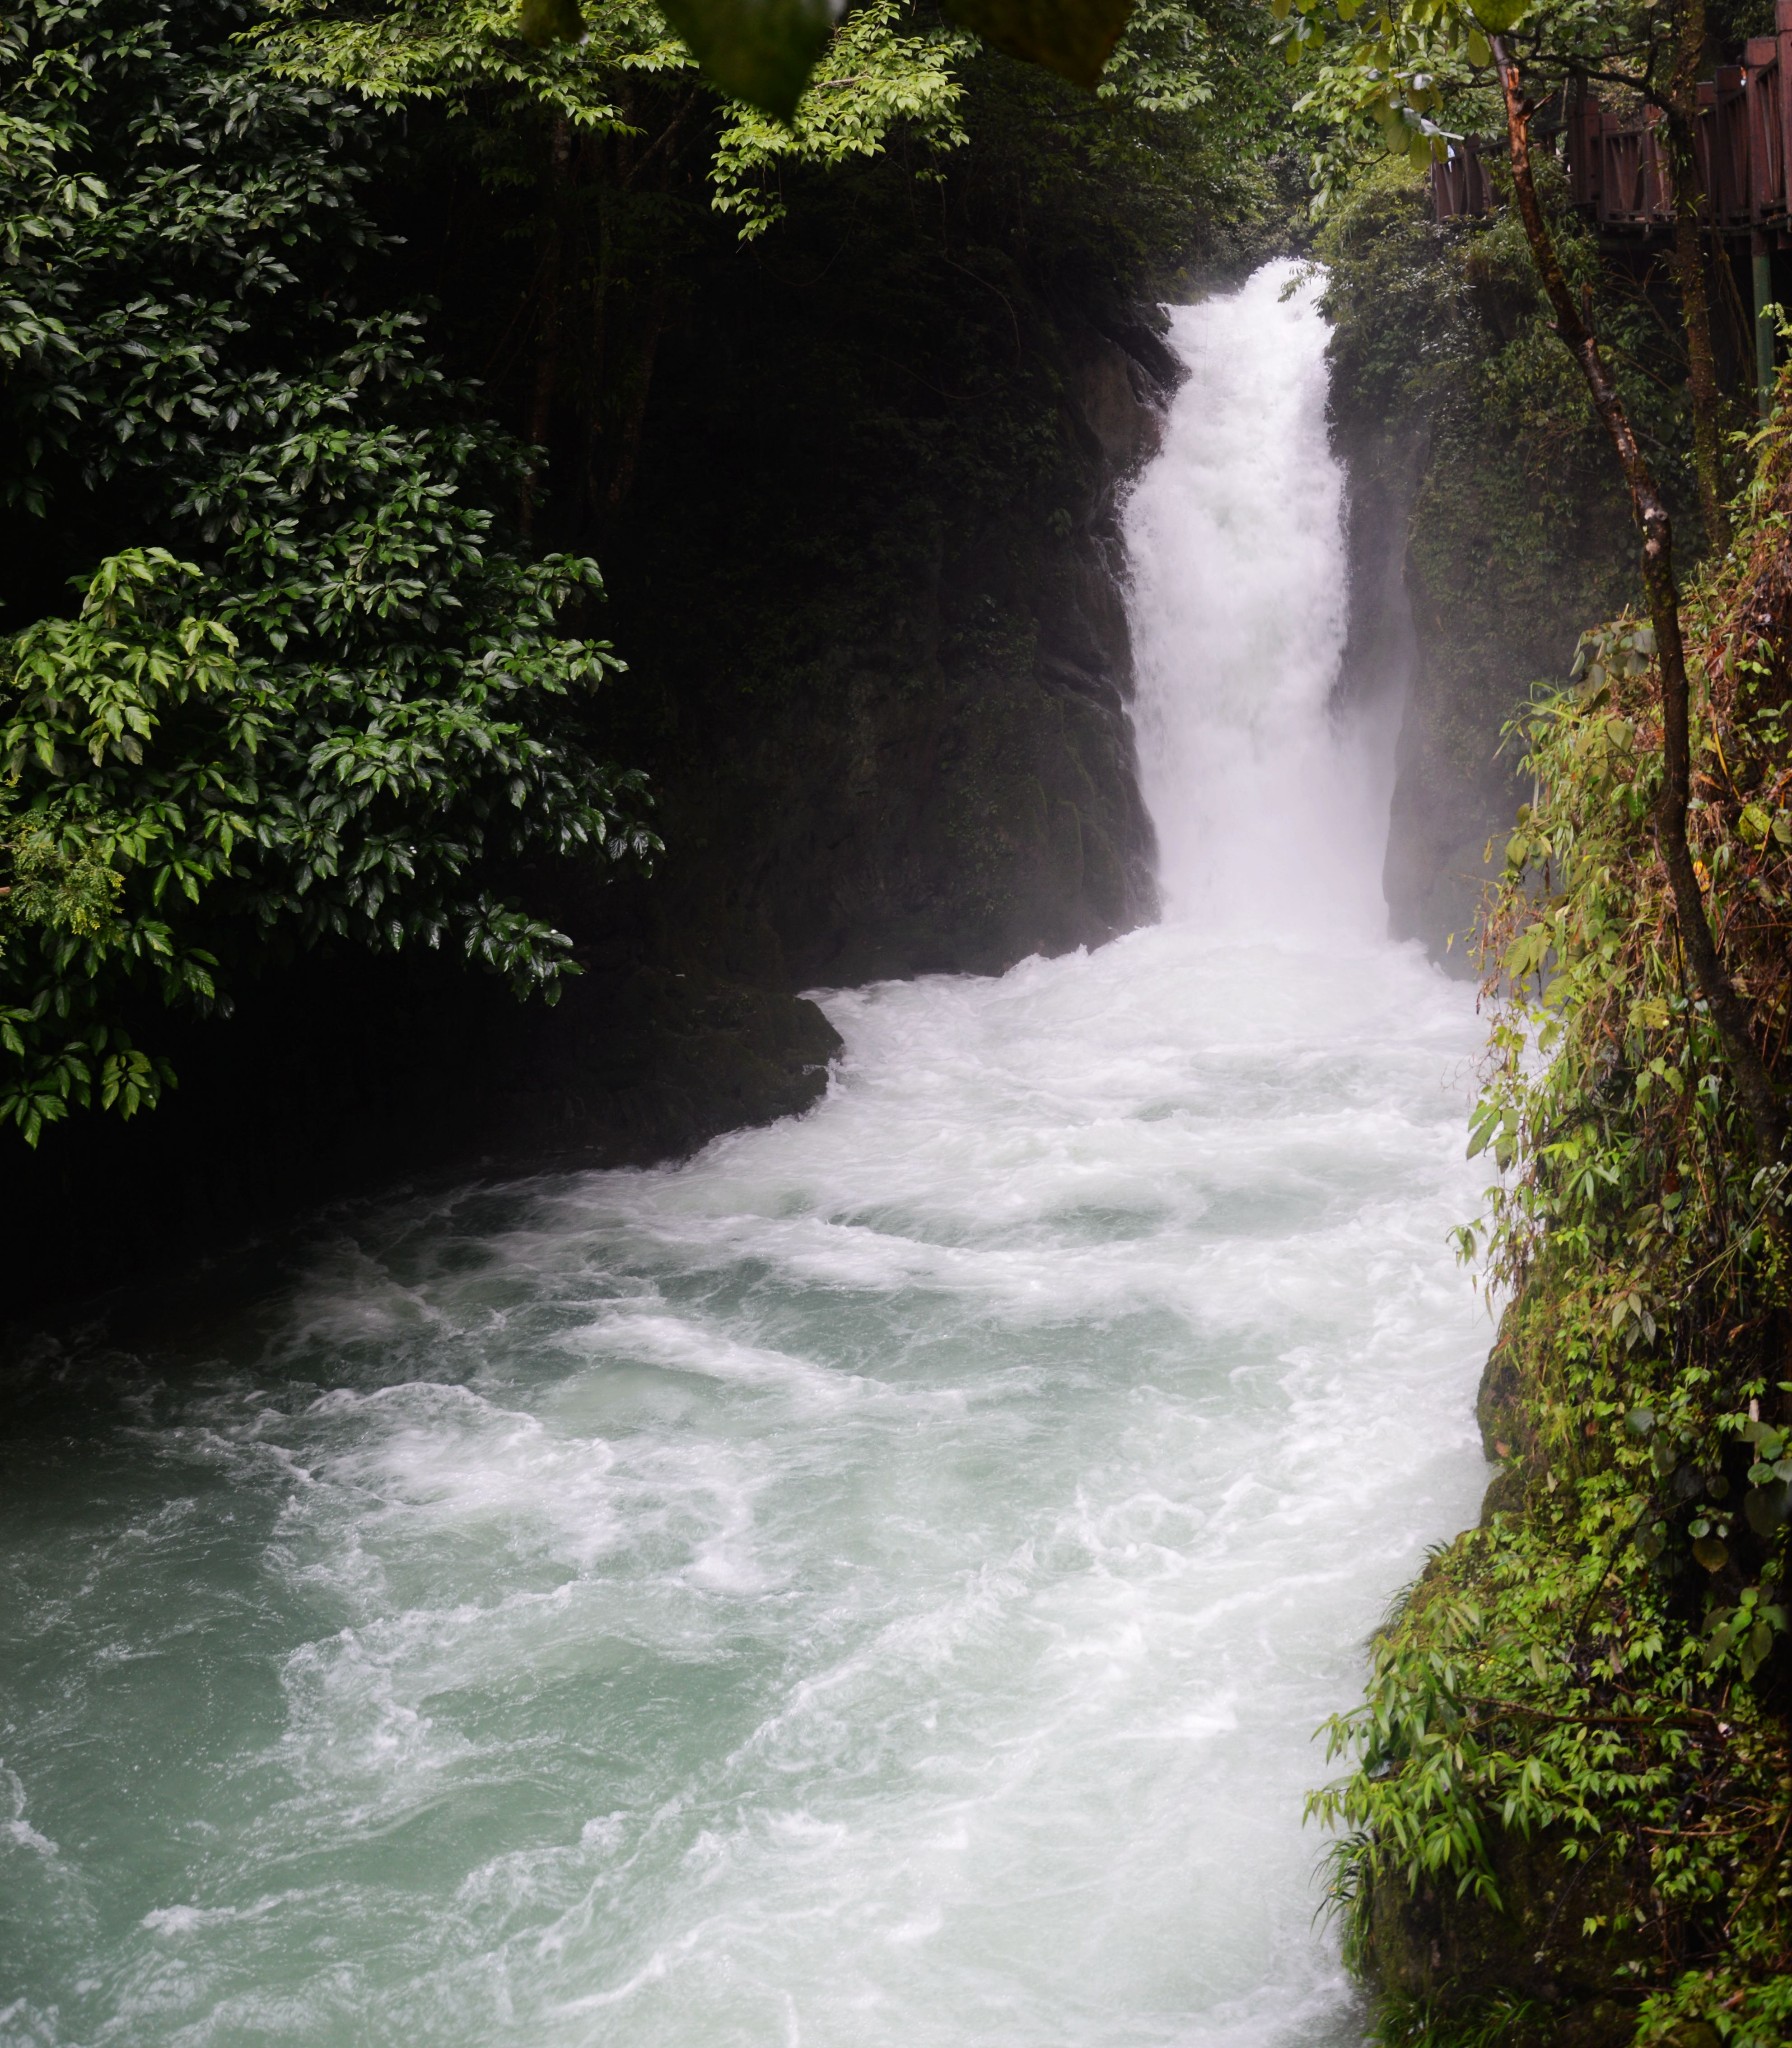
(872, 1586)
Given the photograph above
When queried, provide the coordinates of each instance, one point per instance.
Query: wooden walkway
(1617, 161)
(1617, 164)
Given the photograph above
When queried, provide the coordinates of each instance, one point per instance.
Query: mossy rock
(1529, 1961)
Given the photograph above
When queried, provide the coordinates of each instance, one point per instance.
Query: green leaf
(1497, 16)
(1767, 1507)
(541, 22)
(760, 51)
(1712, 1552)
(1071, 37)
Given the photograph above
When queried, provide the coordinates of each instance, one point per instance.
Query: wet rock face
(1465, 638)
(1454, 791)
(353, 1077)
(1441, 824)
(1531, 1963)
(1485, 537)
(926, 764)
(649, 1065)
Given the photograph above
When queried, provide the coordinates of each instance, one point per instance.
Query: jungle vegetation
(304, 642)
(1567, 1813)
(335, 333)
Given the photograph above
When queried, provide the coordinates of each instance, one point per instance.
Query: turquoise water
(870, 1587)
(874, 1584)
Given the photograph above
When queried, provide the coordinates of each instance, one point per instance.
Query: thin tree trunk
(1689, 270)
(1728, 1012)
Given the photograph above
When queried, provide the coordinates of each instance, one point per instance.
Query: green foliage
(885, 71)
(891, 68)
(464, 54)
(1406, 78)
(1601, 1665)
(345, 708)
(1491, 2021)
(765, 52)
(893, 72)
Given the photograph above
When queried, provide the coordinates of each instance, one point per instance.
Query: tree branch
(1760, 1102)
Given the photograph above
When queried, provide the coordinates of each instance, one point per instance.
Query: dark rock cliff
(1434, 612)
(927, 766)
(1486, 534)
(907, 751)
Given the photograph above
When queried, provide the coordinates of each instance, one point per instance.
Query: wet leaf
(1767, 1507)
(1070, 37)
(550, 21)
(760, 51)
(1712, 1552)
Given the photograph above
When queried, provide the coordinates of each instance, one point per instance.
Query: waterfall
(872, 1586)
(1270, 806)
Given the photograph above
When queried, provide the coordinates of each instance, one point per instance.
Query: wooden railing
(1460, 186)
(1617, 162)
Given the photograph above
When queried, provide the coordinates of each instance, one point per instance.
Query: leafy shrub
(1603, 1664)
(323, 702)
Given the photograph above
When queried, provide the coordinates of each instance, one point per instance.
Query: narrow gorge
(895, 1024)
(875, 1582)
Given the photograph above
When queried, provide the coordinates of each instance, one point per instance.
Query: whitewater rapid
(872, 1586)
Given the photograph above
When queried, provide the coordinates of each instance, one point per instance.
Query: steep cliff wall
(904, 747)
(881, 693)
(1488, 527)
(1564, 1824)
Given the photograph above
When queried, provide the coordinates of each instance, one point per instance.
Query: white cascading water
(1270, 814)
(871, 1587)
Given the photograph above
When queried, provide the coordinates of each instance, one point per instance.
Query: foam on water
(871, 1587)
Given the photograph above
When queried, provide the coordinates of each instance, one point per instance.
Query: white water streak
(871, 1587)
(1270, 810)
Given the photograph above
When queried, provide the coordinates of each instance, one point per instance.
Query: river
(872, 1586)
